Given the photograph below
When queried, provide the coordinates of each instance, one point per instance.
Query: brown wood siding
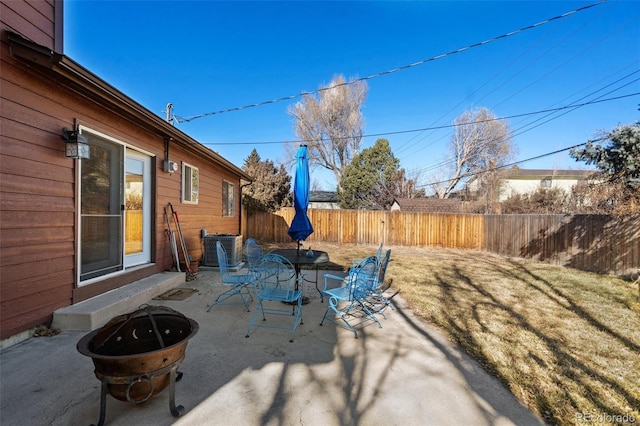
(207, 214)
(33, 19)
(37, 193)
(37, 206)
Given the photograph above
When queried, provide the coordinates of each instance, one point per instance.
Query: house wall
(322, 205)
(527, 186)
(38, 204)
(38, 20)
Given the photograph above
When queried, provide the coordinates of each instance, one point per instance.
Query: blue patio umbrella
(301, 227)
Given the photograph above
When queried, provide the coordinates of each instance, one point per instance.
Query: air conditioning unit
(231, 243)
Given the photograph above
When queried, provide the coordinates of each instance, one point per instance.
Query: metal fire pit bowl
(137, 355)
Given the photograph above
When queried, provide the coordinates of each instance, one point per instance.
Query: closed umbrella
(301, 227)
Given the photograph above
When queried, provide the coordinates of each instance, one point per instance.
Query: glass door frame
(145, 255)
(148, 209)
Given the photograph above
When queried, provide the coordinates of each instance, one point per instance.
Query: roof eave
(104, 93)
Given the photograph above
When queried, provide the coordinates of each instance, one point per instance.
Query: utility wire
(567, 109)
(407, 146)
(530, 125)
(466, 175)
(571, 107)
(394, 70)
(444, 126)
(522, 54)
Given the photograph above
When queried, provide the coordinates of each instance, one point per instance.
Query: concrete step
(97, 311)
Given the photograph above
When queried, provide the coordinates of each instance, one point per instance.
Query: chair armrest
(332, 277)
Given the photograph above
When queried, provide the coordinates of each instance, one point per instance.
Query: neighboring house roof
(85, 82)
(323, 197)
(323, 200)
(427, 205)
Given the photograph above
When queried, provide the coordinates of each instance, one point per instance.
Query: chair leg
(377, 304)
(298, 318)
(236, 290)
(325, 315)
(260, 308)
(333, 306)
(370, 314)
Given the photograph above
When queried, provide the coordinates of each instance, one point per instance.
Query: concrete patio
(406, 373)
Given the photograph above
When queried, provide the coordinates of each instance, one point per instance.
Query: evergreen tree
(616, 186)
(271, 186)
(372, 180)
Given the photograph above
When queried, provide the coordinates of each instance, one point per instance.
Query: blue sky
(210, 56)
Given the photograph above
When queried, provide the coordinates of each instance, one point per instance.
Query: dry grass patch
(565, 342)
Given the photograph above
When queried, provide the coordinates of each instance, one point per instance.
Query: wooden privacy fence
(596, 243)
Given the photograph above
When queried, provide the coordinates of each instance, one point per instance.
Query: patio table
(299, 258)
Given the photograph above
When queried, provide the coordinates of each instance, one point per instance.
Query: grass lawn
(565, 342)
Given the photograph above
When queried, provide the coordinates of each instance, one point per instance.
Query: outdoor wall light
(76, 145)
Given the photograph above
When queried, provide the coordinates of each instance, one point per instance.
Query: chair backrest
(362, 278)
(379, 252)
(382, 268)
(277, 257)
(276, 271)
(223, 263)
(253, 253)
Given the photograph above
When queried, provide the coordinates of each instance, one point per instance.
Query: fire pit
(137, 355)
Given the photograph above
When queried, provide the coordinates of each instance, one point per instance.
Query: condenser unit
(231, 243)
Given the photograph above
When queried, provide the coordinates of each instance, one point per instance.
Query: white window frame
(228, 199)
(144, 256)
(188, 190)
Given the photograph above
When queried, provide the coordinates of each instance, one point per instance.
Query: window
(545, 183)
(190, 184)
(228, 199)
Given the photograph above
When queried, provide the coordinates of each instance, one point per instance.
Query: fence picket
(597, 243)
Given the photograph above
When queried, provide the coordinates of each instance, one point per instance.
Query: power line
(466, 175)
(444, 126)
(522, 54)
(568, 108)
(394, 70)
(407, 145)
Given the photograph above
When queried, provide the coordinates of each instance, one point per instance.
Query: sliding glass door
(115, 208)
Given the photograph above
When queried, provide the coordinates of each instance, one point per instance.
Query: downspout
(240, 215)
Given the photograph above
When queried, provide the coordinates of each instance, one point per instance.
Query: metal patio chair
(355, 262)
(376, 299)
(348, 305)
(278, 293)
(239, 283)
(252, 253)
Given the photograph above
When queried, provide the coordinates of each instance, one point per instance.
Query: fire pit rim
(83, 344)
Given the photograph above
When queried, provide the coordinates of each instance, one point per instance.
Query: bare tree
(331, 123)
(408, 183)
(480, 143)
